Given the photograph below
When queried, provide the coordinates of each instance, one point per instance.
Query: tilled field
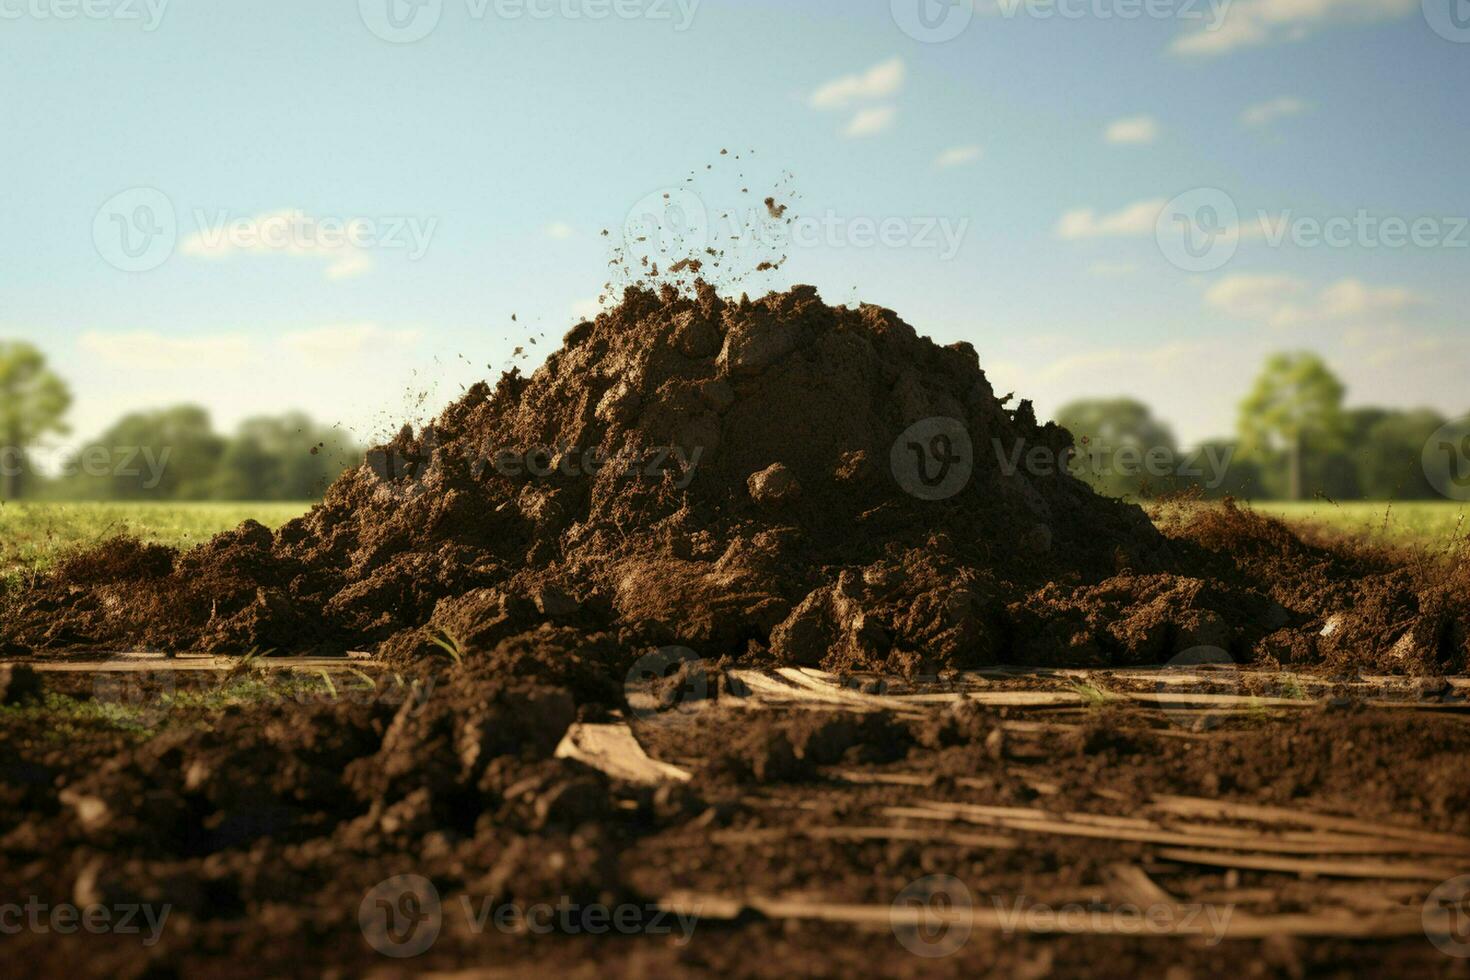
(317, 816)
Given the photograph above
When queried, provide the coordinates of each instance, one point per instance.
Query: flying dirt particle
(693, 265)
(724, 153)
(775, 210)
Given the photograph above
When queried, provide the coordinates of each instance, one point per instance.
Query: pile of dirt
(754, 478)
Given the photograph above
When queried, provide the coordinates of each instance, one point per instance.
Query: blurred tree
(1294, 409)
(1225, 473)
(289, 457)
(33, 401)
(165, 454)
(1121, 449)
(1390, 455)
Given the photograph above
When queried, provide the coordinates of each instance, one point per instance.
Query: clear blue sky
(514, 139)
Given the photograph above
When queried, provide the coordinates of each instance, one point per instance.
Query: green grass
(1420, 523)
(34, 535)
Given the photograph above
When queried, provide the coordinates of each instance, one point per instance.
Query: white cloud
(1250, 22)
(1286, 301)
(1269, 111)
(1135, 219)
(869, 122)
(347, 340)
(289, 232)
(1134, 129)
(151, 350)
(559, 230)
(958, 156)
(880, 81)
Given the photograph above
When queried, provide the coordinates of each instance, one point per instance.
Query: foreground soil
(792, 818)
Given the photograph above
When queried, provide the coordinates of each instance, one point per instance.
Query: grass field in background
(1421, 523)
(33, 535)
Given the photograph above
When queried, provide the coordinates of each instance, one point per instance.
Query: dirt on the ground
(730, 486)
(776, 478)
(261, 839)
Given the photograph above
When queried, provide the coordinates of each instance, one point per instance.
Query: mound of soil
(773, 478)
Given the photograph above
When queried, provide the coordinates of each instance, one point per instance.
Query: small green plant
(449, 644)
(1094, 696)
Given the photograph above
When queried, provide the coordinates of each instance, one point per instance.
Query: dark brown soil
(265, 828)
(784, 483)
(779, 478)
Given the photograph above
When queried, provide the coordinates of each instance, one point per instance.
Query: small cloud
(291, 232)
(149, 349)
(559, 230)
(869, 122)
(958, 156)
(880, 81)
(351, 264)
(1135, 219)
(1286, 301)
(347, 339)
(1246, 23)
(1279, 108)
(1134, 129)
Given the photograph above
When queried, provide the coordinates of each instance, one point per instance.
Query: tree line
(166, 454)
(1295, 439)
